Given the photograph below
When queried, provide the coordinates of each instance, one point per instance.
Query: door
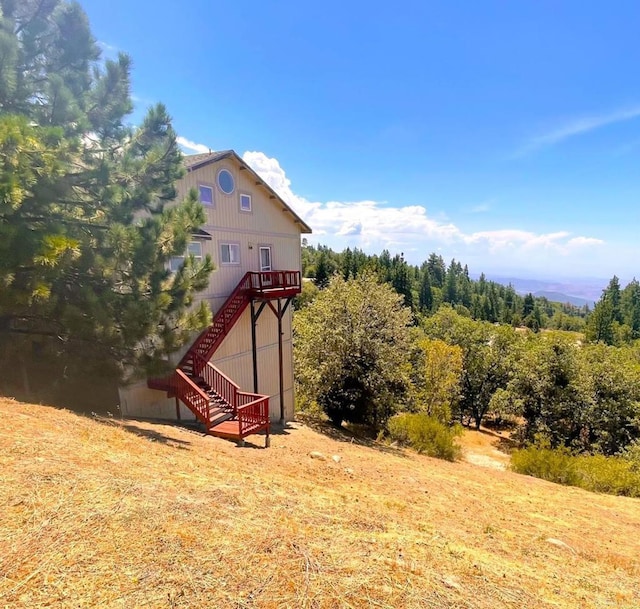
(265, 258)
(265, 265)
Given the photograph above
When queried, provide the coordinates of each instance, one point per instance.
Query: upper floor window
(245, 202)
(226, 182)
(206, 194)
(194, 248)
(230, 253)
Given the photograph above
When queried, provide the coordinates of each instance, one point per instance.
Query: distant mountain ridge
(576, 291)
(564, 298)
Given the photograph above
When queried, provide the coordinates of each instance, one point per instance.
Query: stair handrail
(241, 288)
(253, 414)
(222, 385)
(182, 385)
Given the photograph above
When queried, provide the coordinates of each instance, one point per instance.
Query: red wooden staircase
(215, 399)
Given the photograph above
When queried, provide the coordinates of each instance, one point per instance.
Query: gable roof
(195, 161)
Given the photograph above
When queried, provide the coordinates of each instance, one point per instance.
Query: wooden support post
(254, 346)
(177, 409)
(280, 365)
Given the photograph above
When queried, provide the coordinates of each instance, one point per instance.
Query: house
(238, 374)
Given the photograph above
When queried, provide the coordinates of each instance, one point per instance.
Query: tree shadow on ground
(155, 435)
(130, 425)
(355, 435)
(501, 441)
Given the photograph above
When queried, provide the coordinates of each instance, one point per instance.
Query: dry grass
(103, 515)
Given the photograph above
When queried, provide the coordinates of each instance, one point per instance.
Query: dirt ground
(135, 514)
(486, 448)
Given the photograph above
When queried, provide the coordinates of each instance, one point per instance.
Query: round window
(225, 181)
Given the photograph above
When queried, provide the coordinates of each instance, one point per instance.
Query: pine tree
(612, 292)
(87, 215)
(323, 271)
(401, 279)
(599, 326)
(425, 296)
(437, 270)
(451, 284)
(631, 307)
(528, 305)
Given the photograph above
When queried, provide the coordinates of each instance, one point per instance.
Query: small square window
(194, 249)
(245, 202)
(206, 194)
(175, 264)
(229, 253)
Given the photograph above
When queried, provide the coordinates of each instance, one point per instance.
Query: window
(194, 248)
(245, 202)
(206, 194)
(226, 182)
(229, 253)
(265, 258)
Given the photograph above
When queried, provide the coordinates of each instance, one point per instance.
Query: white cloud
(350, 228)
(584, 241)
(374, 225)
(192, 146)
(578, 126)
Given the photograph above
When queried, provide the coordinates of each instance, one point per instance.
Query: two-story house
(238, 374)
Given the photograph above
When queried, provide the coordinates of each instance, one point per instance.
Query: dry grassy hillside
(97, 514)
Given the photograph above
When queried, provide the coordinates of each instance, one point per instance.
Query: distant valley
(576, 291)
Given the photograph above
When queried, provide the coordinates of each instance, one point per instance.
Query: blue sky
(504, 134)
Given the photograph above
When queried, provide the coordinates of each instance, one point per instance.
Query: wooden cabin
(237, 376)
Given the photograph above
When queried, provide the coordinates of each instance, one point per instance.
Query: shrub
(632, 454)
(598, 473)
(554, 465)
(612, 475)
(426, 435)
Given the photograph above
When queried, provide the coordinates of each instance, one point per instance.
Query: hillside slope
(110, 514)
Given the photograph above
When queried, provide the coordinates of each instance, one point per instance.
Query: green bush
(632, 454)
(598, 473)
(612, 475)
(426, 435)
(554, 465)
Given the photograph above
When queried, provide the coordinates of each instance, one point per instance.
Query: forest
(428, 341)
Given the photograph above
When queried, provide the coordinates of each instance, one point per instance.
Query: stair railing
(224, 319)
(192, 395)
(222, 385)
(252, 412)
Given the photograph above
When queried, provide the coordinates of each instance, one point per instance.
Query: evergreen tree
(323, 270)
(612, 292)
(451, 284)
(437, 270)
(630, 303)
(528, 305)
(86, 232)
(347, 264)
(401, 279)
(425, 297)
(599, 326)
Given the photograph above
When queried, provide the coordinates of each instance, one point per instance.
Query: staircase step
(220, 417)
